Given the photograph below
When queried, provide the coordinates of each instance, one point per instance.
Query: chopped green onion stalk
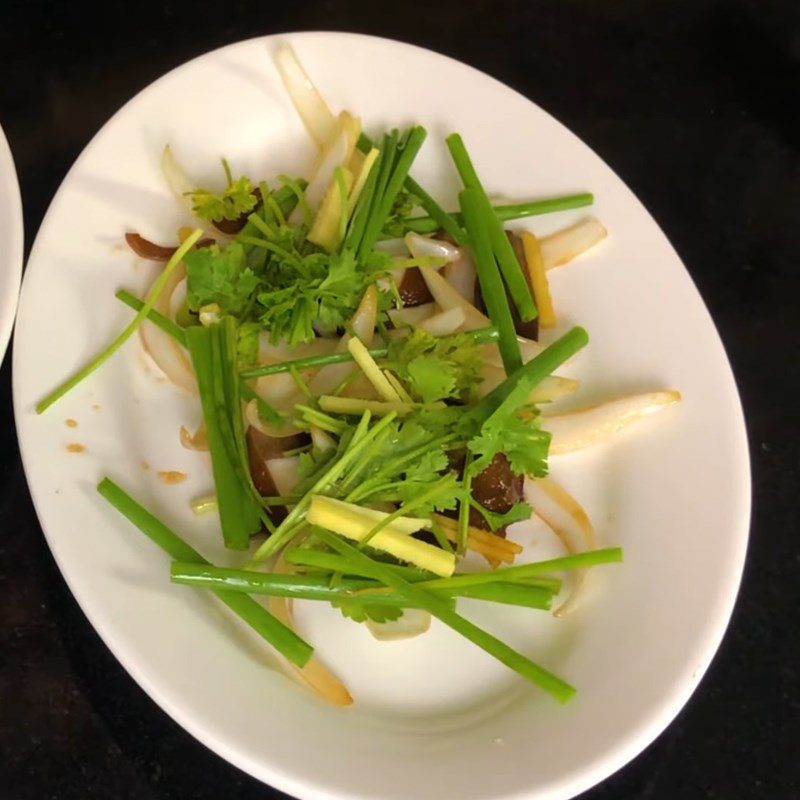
(512, 272)
(318, 587)
(506, 213)
(535, 371)
(128, 331)
(213, 352)
(543, 678)
(282, 638)
(492, 289)
(156, 317)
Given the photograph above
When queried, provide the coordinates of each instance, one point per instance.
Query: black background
(694, 104)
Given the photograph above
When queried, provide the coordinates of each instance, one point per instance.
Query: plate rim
(9, 302)
(639, 737)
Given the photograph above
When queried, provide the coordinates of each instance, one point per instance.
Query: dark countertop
(694, 105)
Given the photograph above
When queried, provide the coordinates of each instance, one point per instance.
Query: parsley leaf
(237, 199)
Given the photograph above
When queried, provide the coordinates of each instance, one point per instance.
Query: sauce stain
(75, 447)
(169, 476)
(72, 423)
(145, 465)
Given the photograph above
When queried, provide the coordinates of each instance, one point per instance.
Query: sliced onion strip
(412, 315)
(426, 246)
(313, 110)
(363, 325)
(444, 323)
(447, 297)
(579, 429)
(461, 275)
(564, 245)
(567, 519)
(527, 347)
(285, 474)
(546, 391)
(413, 622)
(337, 154)
(181, 187)
(314, 675)
(167, 354)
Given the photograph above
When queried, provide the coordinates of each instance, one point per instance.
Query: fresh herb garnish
(236, 199)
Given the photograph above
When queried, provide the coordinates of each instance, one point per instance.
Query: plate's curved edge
(641, 738)
(16, 246)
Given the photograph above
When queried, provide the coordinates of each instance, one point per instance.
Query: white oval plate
(11, 242)
(434, 717)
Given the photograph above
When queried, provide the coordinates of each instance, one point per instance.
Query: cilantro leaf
(438, 368)
(404, 204)
(236, 199)
(432, 378)
(517, 512)
(247, 343)
(523, 442)
(214, 275)
(361, 612)
(318, 291)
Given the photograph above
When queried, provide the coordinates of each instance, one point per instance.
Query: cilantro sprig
(237, 198)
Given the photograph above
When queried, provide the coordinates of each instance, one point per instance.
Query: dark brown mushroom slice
(497, 488)
(413, 289)
(144, 248)
(232, 226)
(530, 330)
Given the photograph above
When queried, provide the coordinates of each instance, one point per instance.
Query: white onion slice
(564, 245)
(252, 418)
(311, 107)
(314, 675)
(546, 391)
(337, 154)
(394, 247)
(427, 247)
(285, 474)
(365, 317)
(180, 186)
(444, 323)
(321, 440)
(413, 622)
(567, 519)
(279, 390)
(527, 348)
(412, 315)
(579, 429)
(461, 275)
(447, 297)
(167, 354)
(177, 299)
(363, 325)
(269, 353)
